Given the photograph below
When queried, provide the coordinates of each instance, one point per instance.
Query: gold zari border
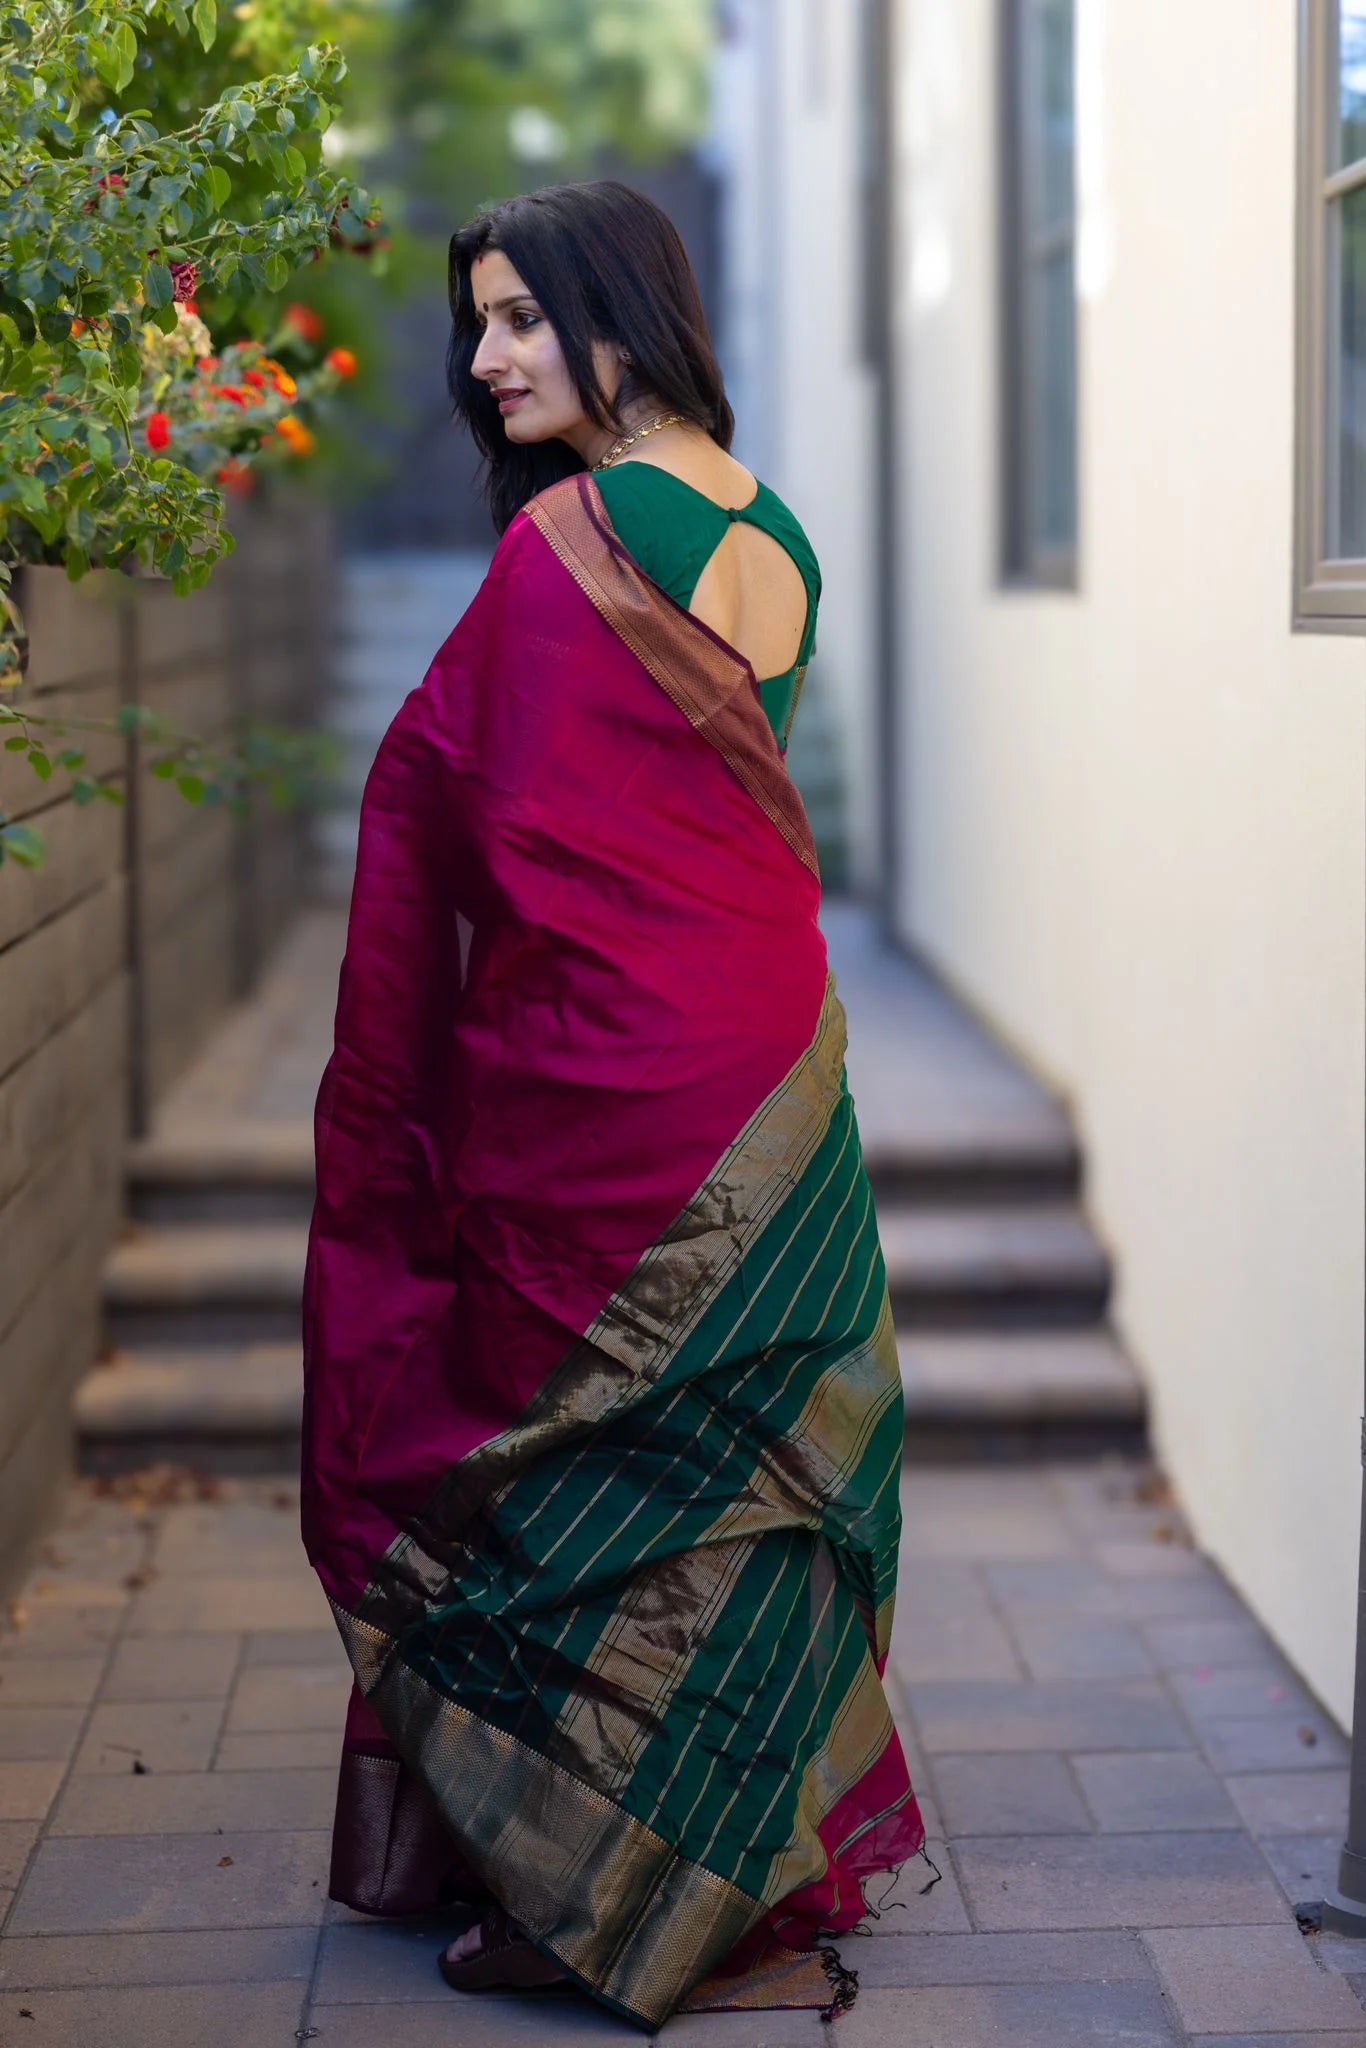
(627, 1913)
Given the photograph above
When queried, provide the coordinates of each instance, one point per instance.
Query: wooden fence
(144, 923)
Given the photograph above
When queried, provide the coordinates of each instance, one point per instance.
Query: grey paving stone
(271, 1955)
(970, 1645)
(981, 1521)
(1265, 1692)
(142, 1882)
(17, 1838)
(254, 1536)
(38, 1734)
(1055, 1585)
(1290, 1802)
(1304, 1865)
(27, 1790)
(1354, 2039)
(904, 1906)
(305, 1749)
(50, 1681)
(1078, 1714)
(1023, 1793)
(177, 1606)
(61, 1632)
(1137, 1559)
(919, 1959)
(1189, 1596)
(181, 1803)
(1251, 1980)
(496, 2022)
(1156, 1789)
(188, 1667)
(741, 2030)
(262, 2014)
(1263, 1742)
(288, 1698)
(1164, 1880)
(360, 1963)
(1010, 2016)
(1080, 1646)
(315, 1646)
(1213, 1644)
(176, 1735)
(1339, 1952)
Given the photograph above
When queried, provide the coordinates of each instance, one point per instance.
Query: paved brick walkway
(1125, 1785)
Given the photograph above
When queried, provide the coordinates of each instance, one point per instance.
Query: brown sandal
(506, 1960)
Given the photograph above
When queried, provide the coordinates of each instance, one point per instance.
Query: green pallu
(639, 1635)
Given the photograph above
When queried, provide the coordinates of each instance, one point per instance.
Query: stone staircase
(998, 1282)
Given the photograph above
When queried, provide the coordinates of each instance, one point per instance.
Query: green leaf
(83, 790)
(191, 787)
(126, 364)
(39, 763)
(24, 843)
(165, 318)
(71, 757)
(163, 770)
(296, 167)
(220, 184)
(205, 17)
(158, 286)
(77, 564)
(16, 743)
(276, 269)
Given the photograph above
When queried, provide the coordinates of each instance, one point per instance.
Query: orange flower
(306, 323)
(297, 436)
(208, 364)
(159, 430)
(343, 361)
(238, 477)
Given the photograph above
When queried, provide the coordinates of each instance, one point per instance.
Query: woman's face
(519, 358)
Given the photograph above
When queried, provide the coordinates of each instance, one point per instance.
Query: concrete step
(219, 1172)
(1019, 1392)
(205, 1284)
(993, 1267)
(229, 1409)
(973, 1162)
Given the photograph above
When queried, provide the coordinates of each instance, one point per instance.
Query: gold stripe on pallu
(711, 683)
(627, 1913)
(861, 1731)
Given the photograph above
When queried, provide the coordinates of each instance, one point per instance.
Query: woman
(603, 1418)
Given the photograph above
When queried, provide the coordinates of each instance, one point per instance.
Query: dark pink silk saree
(603, 1416)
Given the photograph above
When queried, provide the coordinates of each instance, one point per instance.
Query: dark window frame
(1030, 240)
(1330, 589)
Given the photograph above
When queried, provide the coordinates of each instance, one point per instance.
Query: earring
(626, 356)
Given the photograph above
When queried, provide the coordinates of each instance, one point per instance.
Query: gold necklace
(618, 448)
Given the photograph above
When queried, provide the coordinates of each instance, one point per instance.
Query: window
(1330, 549)
(1039, 327)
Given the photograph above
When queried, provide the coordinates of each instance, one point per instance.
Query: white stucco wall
(788, 122)
(1134, 817)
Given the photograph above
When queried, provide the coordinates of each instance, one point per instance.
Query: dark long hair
(604, 263)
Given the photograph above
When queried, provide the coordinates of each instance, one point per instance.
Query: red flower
(234, 392)
(159, 430)
(184, 279)
(256, 377)
(343, 361)
(237, 476)
(306, 323)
